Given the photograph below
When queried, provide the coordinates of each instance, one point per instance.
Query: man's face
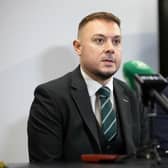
(99, 48)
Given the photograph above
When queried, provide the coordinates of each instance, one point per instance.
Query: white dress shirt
(93, 86)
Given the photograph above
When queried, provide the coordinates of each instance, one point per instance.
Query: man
(66, 118)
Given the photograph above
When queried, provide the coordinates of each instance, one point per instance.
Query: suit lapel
(81, 97)
(123, 109)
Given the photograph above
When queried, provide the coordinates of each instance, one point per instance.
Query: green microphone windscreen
(131, 68)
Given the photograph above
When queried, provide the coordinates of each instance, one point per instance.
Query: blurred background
(36, 46)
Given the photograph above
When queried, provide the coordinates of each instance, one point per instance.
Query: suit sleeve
(44, 128)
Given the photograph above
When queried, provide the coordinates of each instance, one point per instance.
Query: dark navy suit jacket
(62, 125)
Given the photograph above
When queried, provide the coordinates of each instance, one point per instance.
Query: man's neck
(96, 78)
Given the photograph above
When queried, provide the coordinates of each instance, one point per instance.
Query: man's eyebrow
(99, 35)
(117, 37)
(102, 35)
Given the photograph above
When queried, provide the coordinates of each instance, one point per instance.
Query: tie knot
(104, 92)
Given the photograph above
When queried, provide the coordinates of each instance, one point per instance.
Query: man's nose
(109, 47)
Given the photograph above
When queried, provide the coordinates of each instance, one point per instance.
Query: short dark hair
(99, 15)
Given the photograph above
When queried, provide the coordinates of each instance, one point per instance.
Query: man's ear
(77, 46)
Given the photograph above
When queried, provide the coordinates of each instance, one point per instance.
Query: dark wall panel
(163, 36)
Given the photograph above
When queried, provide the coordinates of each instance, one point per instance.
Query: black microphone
(146, 82)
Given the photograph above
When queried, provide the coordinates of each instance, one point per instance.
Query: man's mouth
(108, 60)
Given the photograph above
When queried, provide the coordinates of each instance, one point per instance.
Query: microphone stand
(154, 97)
(147, 87)
(152, 152)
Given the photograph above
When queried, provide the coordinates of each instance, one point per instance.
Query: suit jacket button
(108, 147)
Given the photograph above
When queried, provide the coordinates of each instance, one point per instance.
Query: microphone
(131, 68)
(148, 84)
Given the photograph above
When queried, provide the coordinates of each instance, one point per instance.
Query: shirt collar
(93, 85)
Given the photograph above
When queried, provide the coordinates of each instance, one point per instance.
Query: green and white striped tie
(108, 116)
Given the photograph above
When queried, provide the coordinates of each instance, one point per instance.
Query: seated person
(87, 111)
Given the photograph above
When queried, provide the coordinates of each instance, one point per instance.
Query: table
(126, 164)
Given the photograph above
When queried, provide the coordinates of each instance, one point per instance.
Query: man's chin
(104, 75)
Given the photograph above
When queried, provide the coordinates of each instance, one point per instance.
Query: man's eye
(99, 41)
(116, 42)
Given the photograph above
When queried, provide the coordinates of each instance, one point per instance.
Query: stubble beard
(104, 75)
